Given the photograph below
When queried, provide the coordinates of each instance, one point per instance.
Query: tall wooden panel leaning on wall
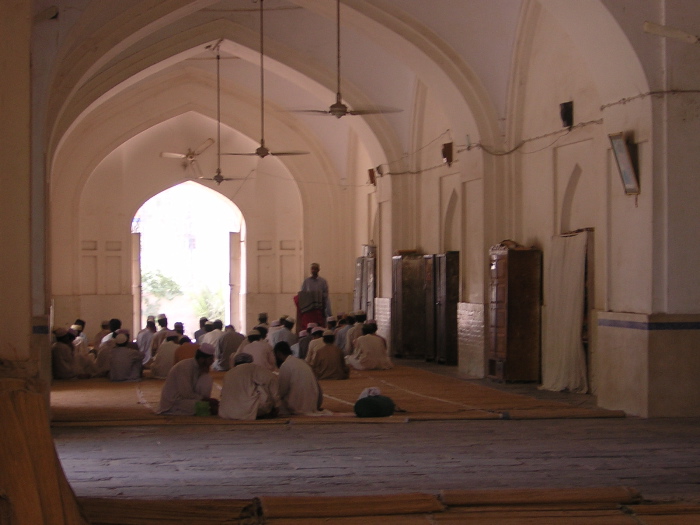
(514, 312)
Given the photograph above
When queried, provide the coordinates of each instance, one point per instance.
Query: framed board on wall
(625, 163)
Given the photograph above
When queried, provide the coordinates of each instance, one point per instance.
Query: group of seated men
(112, 353)
(271, 371)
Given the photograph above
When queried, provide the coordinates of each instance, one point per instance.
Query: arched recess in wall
(92, 252)
(200, 256)
(451, 231)
(568, 199)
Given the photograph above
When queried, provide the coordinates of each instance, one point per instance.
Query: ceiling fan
(218, 177)
(189, 158)
(262, 151)
(339, 109)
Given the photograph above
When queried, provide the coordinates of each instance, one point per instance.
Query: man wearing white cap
(259, 349)
(329, 361)
(249, 392)
(124, 360)
(315, 343)
(284, 333)
(299, 390)
(213, 337)
(189, 382)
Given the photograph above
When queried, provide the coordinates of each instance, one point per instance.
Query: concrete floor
(660, 458)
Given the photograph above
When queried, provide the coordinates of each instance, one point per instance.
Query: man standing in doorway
(313, 302)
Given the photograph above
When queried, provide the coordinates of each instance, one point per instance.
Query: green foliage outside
(209, 303)
(156, 287)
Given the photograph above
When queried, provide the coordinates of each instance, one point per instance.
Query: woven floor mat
(596, 506)
(419, 396)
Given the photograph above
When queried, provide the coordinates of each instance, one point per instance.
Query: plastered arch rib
(432, 60)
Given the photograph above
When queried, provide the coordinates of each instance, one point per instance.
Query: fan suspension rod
(218, 110)
(338, 48)
(262, 81)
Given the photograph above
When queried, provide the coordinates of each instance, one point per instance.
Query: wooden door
(430, 308)
(447, 295)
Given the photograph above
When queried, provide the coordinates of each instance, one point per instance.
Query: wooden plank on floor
(661, 509)
(399, 519)
(330, 506)
(622, 495)
(106, 511)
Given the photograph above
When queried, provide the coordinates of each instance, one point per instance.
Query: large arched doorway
(189, 242)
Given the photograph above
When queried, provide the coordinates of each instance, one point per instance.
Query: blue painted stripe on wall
(41, 329)
(638, 325)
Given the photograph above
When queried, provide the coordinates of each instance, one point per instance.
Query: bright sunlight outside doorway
(186, 257)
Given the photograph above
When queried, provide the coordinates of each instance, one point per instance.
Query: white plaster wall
(567, 181)
(99, 240)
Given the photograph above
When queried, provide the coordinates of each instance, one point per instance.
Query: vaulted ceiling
(134, 50)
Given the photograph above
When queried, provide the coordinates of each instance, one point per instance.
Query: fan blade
(283, 153)
(374, 111)
(243, 154)
(168, 155)
(196, 169)
(670, 32)
(311, 111)
(203, 146)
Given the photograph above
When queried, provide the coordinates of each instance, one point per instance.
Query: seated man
(370, 351)
(250, 391)
(299, 390)
(63, 363)
(329, 361)
(165, 356)
(315, 343)
(186, 350)
(230, 342)
(125, 361)
(188, 383)
(259, 350)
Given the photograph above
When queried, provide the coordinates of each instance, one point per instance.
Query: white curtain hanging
(563, 356)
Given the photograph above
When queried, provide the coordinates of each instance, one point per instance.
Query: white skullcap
(207, 348)
(121, 339)
(254, 332)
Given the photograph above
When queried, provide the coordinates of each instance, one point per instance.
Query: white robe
(125, 364)
(250, 391)
(299, 390)
(370, 354)
(164, 359)
(262, 354)
(184, 386)
(314, 345)
(144, 340)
